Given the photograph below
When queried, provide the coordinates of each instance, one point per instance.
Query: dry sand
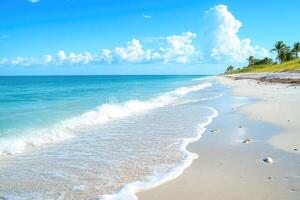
(228, 169)
(280, 105)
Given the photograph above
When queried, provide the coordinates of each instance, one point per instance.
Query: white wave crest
(185, 90)
(30, 139)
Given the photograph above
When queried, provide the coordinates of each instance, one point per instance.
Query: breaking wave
(66, 129)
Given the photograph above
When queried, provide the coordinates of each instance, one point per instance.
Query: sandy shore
(280, 105)
(229, 169)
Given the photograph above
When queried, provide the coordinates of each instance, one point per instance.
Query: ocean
(98, 137)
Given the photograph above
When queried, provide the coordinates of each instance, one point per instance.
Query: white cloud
(48, 59)
(3, 61)
(19, 61)
(106, 56)
(62, 55)
(34, 1)
(73, 58)
(176, 49)
(133, 53)
(146, 16)
(180, 48)
(83, 58)
(220, 37)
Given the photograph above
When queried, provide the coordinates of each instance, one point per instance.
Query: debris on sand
(267, 160)
(247, 141)
(216, 130)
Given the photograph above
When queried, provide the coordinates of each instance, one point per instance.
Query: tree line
(286, 53)
(283, 51)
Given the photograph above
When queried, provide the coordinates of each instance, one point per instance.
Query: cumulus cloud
(62, 55)
(174, 49)
(3, 61)
(73, 58)
(180, 48)
(106, 56)
(219, 41)
(133, 53)
(83, 58)
(220, 37)
(177, 49)
(48, 58)
(18, 61)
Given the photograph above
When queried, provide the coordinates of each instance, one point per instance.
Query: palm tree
(286, 54)
(279, 48)
(229, 69)
(296, 49)
(289, 54)
(252, 60)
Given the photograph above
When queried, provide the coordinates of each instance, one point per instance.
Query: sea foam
(128, 192)
(31, 139)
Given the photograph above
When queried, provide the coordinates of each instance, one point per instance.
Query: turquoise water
(37, 101)
(90, 137)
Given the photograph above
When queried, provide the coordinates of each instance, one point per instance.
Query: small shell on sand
(216, 130)
(267, 160)
(247, 141)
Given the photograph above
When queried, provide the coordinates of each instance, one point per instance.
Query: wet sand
(229, 169)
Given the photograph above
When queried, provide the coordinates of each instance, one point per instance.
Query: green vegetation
(288, 66)
(229, 69)
(254, 61)
(287, 57)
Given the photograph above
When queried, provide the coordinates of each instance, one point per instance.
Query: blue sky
(139, 36)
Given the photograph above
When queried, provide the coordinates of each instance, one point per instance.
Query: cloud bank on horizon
(219, 42)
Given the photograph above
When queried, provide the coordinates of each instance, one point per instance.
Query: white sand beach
(229, 169)
(279, 104)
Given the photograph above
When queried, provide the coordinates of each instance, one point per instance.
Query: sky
(92, 37)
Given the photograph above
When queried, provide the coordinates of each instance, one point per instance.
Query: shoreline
(130, 190)
(102, 114)
(274, 97)
(239, 164)
(194, 127)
